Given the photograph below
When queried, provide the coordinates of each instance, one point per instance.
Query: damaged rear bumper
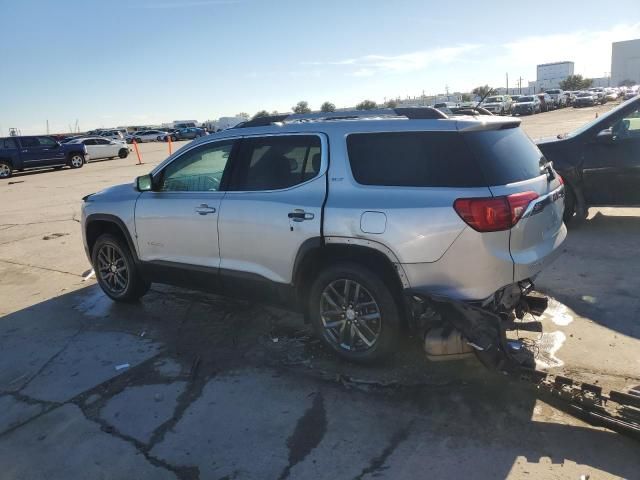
(485, 332)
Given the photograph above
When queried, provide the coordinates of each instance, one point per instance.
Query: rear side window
(413, 159)
(7, 143)
(505, 156)
(276, 162)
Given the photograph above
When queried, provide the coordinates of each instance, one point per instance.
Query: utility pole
(47, 126)
(520, 85)
(507, 74)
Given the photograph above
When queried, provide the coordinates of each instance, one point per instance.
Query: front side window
(198, 170)
(46, 142)
(629, 126)
(276, 162)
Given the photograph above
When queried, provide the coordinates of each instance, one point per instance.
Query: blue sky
(109, 63)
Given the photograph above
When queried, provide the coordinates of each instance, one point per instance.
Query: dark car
(20, 153)
(585, 99)
(599, 162)
(526, 105)
(188, 133)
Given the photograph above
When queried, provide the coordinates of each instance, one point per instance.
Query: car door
(177, 222)
(273, 205)
(106, 148)
(92, 150)
(611, 171)
(40, 151)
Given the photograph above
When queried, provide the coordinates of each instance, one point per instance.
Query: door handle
(205, 209)
(300, 215)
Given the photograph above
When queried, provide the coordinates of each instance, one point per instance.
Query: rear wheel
(354, 312)
(76, 160)
(6, 170)
(116, 270)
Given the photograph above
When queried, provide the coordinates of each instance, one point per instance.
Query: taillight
(560, 179)
(493, 214)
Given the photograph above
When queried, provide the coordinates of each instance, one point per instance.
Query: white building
(549, 75)
(625, 62)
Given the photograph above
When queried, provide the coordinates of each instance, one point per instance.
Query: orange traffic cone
(135, 147)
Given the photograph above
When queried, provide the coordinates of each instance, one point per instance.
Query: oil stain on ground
(307, 435)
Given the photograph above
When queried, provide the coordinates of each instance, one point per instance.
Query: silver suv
(345, 216)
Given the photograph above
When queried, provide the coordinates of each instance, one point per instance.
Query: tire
(116, 270)
(364, 341)
(138, 140)
(158, 138)
(174, 138)
(569, 204)
(6, 169)
(76, 160)
(123, 153)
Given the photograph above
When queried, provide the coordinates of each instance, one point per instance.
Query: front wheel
(123, 153)
(76, 160)
(116, 270)
(354, 312)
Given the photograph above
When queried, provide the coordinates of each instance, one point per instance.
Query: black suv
(20, 153)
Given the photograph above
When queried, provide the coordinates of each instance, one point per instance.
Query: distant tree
(301, 107)
(367, 105)
(575, 82)
(244, 115)
(275, 112)
(391, 103)
(327, 107)
(626, 83)
(466, 97)
(261, 113)
(482, 90)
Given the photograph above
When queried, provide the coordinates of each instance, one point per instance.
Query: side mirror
(144, 183)
(605, 136)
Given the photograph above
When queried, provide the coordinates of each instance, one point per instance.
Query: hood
(524, 104)
(124, 192)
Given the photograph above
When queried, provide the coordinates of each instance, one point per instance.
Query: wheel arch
(315, 254)
(99, 223)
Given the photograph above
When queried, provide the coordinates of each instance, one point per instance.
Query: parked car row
(20, 153)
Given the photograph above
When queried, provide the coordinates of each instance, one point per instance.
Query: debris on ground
(54, 235)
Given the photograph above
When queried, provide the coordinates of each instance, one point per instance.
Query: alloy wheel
(5, 170)
(76, 161)
(350, 316)
(112, 268)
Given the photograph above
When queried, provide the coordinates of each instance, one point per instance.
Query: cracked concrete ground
(219, 388)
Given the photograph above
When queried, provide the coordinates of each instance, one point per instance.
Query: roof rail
(412, 113)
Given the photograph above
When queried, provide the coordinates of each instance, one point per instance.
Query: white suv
(348, 219)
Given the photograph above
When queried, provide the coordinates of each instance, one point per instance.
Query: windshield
(584, 94)
(494, 99)
(525, 99)
(553, 91)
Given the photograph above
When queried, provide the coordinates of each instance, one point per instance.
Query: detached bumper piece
(485, 332)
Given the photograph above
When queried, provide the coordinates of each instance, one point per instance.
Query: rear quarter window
(413, 159)
(505, 156)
